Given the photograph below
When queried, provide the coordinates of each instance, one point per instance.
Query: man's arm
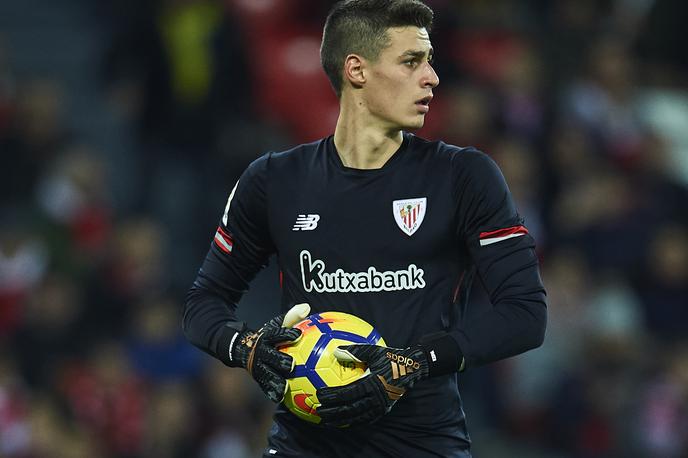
(503, 254)
(240, 248)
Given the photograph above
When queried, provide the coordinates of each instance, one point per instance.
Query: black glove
(392, 372)
(256, 352)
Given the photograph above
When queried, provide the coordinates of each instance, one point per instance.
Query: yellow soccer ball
(315, 364)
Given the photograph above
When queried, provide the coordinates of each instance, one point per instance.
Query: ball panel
(301, 349)
(311, 374)
(318, 350)
(301, 400)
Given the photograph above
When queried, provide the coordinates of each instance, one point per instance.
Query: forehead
(402, 39)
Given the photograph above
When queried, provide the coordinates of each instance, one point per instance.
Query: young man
(374, 199)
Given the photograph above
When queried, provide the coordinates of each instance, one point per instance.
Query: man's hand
(392, 372)
(255, 351)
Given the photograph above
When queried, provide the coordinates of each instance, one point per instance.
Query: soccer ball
(315, 364)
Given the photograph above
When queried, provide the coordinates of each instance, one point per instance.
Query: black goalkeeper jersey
(397, 246)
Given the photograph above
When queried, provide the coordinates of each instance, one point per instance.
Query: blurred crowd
(583, 104)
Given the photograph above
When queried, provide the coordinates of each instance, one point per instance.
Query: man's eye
(411, 63)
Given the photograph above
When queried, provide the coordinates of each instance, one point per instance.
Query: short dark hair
(360, 27)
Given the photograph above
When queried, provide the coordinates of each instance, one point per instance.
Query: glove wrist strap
(252, 353)
(442, 352)
(227, 344)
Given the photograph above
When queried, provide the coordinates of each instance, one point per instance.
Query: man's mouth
(424, 104)
(424, 101)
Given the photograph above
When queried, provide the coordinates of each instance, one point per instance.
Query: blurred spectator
(132, 269)
(23, 264)
(157, 349)
(107, 400)
(35, 136)
(566, 25)
(50, 333)
(663, 420)
(183, 59)
(522, 89)
(606, 102)
(599, 214)
(663, 283)
(15, 434)
(171, 426)
(665, 111)
(53, 433)
(470, 116)
(231, 399)
(73, 195)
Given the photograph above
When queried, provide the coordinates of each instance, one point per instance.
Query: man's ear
(354, 70)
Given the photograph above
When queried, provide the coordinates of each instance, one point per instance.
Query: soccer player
(384, 225)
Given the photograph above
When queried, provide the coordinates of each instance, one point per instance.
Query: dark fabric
(387, 438)
(342, 245)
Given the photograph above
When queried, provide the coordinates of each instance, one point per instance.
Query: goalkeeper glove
(256, 352)
(392, 372)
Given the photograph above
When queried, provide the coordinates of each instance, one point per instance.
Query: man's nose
(430, 78)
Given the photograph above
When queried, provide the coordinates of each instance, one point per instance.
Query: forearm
(517, 319)
(209, 322)
(508, 329)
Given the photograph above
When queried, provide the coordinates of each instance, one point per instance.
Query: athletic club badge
(409, 214)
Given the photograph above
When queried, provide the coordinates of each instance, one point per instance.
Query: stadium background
(124, 124)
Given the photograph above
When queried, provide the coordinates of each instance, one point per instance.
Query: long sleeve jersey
(397, 246)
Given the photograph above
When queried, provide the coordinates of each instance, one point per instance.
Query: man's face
(399, 86)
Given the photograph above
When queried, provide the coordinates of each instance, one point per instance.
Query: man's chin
(414, 124)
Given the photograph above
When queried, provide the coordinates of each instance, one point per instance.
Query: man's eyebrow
(417, 53)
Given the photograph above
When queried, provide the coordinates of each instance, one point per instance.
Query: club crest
(409, 214)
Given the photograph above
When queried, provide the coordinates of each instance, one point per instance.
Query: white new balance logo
(306, 222)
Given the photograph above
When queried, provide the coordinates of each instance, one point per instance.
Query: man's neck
(360, 140)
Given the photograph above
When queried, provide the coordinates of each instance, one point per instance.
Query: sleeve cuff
(228, 339)
(443, 354)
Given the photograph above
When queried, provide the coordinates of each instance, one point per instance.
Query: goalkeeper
(384, 225)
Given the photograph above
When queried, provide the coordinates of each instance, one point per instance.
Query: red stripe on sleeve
(504, 232)
(225, 235)
(223, 240)
(220, 244)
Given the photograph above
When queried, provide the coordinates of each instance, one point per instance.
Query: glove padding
(256, 352)
(392, 372)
